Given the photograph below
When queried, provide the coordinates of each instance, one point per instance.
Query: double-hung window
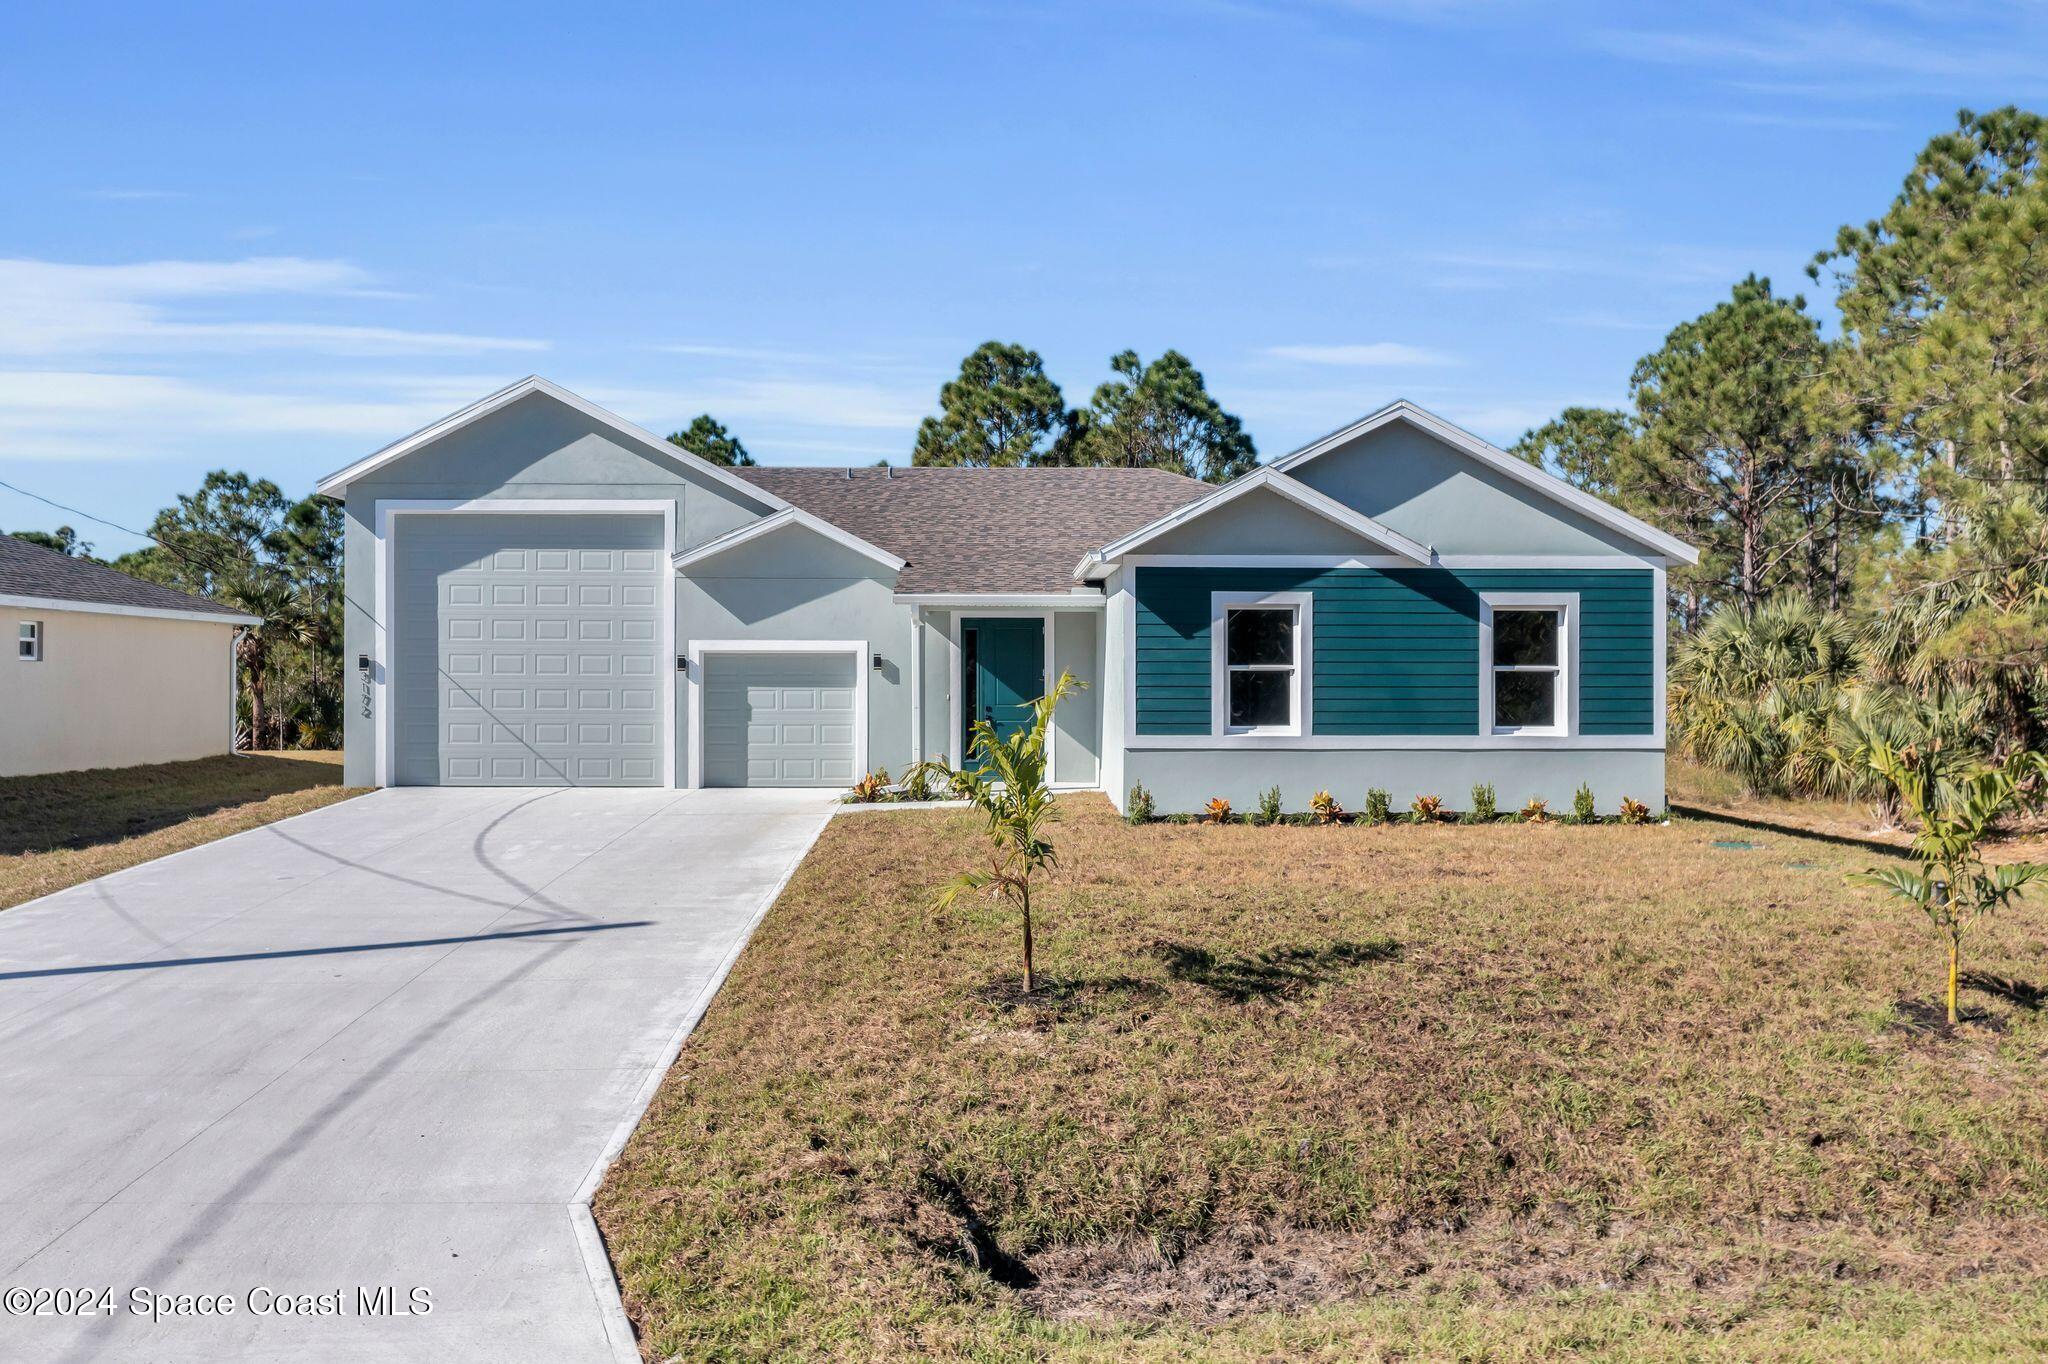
(1259, 674)
(29, 646)
(1526, 647)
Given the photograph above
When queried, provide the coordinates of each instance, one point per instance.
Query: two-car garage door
(528, 650)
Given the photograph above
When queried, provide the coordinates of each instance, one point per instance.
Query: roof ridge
(88, 573)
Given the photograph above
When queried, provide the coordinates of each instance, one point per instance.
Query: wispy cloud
(57, 308)
(1952, 48)
(790, 401)
(1659, 264)
(1362, 355)
(1817, 122)
(82, 414)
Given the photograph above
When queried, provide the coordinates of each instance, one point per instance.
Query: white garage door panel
(526, 650)
(779, 719)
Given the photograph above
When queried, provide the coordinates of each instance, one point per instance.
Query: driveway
(388, 1044)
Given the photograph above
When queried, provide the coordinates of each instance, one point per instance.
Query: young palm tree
(287, 619)
(1954, 887)
(1008, 785)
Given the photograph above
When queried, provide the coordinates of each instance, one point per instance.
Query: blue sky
(275, 238)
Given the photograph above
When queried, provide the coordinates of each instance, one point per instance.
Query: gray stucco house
(541, 593)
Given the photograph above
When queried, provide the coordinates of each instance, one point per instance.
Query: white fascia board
(1536, 479)
(1079, 599)
(336, 483)
(13, 601)
(788, 516)
(1096, 563)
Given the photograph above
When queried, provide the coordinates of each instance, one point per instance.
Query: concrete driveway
(388, 1044)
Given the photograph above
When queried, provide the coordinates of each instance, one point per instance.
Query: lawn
(1398, 1093)
(59, 830)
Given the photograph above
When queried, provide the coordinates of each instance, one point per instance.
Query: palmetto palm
(288, 615)
(1955, 813)
(1007, 783)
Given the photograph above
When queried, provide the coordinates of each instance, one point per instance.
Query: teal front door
(1002, 671)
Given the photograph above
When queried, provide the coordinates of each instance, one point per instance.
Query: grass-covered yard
(1349, 1094)
(59, 830)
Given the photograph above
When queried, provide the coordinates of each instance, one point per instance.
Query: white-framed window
(1528, 647)
(1259, 675)
(29, 648)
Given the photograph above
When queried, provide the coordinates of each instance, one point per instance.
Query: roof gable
(787, 518)
(1267, 481)
(636, 437)
(1500, 465)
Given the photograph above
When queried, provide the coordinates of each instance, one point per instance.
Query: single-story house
(543, 593)
(107, 670)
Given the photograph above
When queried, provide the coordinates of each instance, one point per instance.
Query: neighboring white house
(105, 670)
(540, 593)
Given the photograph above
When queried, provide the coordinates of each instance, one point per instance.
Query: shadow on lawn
(2025, 994)
(1266, 975)
(1790, 830)
(106, 805)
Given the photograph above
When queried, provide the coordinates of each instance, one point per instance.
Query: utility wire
(190, 558)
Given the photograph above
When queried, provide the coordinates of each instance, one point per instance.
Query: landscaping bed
(68, 827)
(1518, 1091)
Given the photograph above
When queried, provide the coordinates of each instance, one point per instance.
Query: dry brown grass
(59, 830)
(1346, 1093)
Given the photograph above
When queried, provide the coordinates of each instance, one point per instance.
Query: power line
(210, 567)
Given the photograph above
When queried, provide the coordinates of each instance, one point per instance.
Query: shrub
(1377, 805)
(1583, 809)
(1325, 808)
(1269, 806)
(1634, 811)
(872, 787)
(1218, 810)
(1536, 811)
(1138, 805)
(1484, 808)
(1426, 809)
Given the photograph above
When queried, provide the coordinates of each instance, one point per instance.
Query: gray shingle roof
(983, 530)
(28, 570)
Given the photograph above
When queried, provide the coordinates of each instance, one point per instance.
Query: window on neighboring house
(1529, 665)
(30, 648)
(1260, 662)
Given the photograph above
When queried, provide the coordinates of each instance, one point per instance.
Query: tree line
(1872, 506)
(242, 542)
(1003, 411)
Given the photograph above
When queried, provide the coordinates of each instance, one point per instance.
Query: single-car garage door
(779, 719)
(527, 650)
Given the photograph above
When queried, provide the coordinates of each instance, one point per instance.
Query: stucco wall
(537, 449)
(794, 584)
(1183, 780)
(1413, 482)
(113, 691)
(1077, 649)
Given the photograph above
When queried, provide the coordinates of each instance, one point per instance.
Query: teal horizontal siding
(1396, 652)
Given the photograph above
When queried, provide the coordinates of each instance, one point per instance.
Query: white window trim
(1220, 606)
(700, 649)
(34, 636)
(1567, 605)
